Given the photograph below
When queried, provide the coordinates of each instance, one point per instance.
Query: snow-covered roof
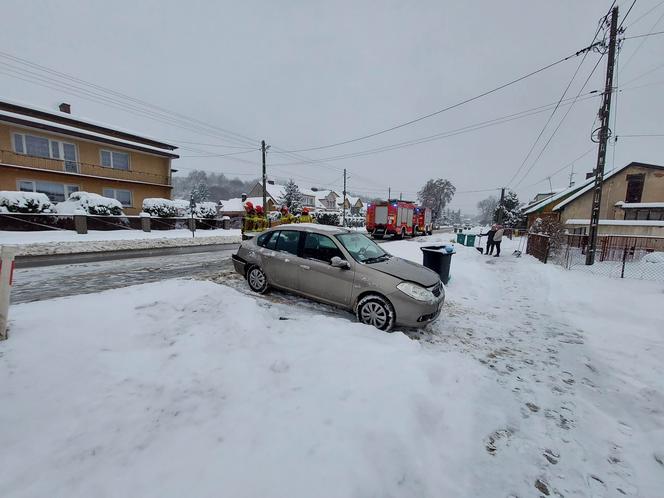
(647, 223)
(540, 204)
(325, 193)
(588, 184)
(23, 107)
(84, 133)
(237, 204)
(276, 191)
(639, 205)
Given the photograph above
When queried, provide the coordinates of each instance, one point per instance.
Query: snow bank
(66, 241)
(24, 202)
(89, 203)
(193, 389)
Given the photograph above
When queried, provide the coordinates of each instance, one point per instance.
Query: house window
(114, 159)
(33, 145)
(630, 214)
(56, 192)
(124, 196)
(634, 187)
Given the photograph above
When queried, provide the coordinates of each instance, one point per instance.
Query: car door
(318, 278)
(282, 263)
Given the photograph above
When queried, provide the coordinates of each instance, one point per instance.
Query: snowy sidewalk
(67, 242)
(575, 403)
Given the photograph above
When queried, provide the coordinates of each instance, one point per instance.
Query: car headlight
(417, 292)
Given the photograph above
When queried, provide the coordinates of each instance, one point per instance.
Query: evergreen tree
(292, 197)
(512, 212)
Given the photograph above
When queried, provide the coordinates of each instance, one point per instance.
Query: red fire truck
(398, 218)
(422, 221)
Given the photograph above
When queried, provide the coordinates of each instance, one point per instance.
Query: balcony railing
(12, 158)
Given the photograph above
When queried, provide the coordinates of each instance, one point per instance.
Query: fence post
(145, 222)
(6, 276)
(548, 247)
(81, 223)
(624, 258)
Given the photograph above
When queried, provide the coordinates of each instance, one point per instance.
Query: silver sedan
(343, 268)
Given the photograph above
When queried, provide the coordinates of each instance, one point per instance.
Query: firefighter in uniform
(305, 217)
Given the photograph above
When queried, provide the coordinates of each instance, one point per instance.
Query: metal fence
(617, 256)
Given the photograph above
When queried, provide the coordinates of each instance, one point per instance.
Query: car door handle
(305, 267)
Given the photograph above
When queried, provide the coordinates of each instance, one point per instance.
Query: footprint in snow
(494, 440)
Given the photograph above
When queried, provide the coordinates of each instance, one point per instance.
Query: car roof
(312, 227)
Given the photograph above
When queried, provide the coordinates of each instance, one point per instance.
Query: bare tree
(487, 207)
(436, 194)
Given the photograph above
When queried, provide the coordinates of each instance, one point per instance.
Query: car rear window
(288, 241)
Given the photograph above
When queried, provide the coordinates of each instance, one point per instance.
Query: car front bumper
(413, 313)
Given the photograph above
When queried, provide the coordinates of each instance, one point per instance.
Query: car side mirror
(337, 262)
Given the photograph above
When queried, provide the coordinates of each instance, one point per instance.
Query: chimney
(314, 189)
(66, 108)
(271, 182)
(244, 197)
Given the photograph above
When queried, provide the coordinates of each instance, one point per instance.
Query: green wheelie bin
(461, 238)
(470, 240)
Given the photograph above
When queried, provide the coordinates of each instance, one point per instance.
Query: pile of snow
(654, 257)
(89, 203)
(178, 208)
(24, 202)
(67, 241)
(193, 389)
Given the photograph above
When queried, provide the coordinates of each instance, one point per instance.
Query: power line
(546, 124)
(626, 15)
(225, 155)
(448, 108)
(646, 13)
(550, 175)
(559, 124)
(446, 134)
(643, 40)
(644, 35)
(69, 77)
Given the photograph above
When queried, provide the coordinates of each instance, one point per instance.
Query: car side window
(320, 247)
(264, 239)
(271, 243)
(288, 241)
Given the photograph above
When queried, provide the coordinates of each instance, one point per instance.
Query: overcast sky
(310, 73)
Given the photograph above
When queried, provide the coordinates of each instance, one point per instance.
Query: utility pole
(263, 151)
(604, 114)
(389, 193)
(501, 208)
(571, 176)
(401, 196)
(344, 203)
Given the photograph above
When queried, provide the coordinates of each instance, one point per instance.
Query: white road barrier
(7, 254)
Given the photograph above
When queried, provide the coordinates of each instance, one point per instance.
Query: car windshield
(362, 248)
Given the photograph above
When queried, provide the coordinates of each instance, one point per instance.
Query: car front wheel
(376, 311)
(257, 280)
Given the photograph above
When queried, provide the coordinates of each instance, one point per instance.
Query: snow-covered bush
(328, 219)
(207, 210)
(90, 203)
(24, 202)
(178, 208)
(162, 208)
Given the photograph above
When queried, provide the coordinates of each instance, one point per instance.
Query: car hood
(407, 270)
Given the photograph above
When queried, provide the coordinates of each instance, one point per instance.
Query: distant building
(57, 154)
(275, 192)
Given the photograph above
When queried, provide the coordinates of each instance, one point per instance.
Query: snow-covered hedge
(89, 203)
(162, 208)
(166, 208)
(206, 210)
(24, 202)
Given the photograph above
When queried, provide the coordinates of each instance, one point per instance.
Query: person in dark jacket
(489, 240)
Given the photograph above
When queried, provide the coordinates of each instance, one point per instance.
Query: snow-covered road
(535, 381)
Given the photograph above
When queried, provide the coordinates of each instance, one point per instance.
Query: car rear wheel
(376, 311)
(257, 280)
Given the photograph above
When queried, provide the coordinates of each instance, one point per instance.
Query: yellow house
(632, 203)
(56, 154)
